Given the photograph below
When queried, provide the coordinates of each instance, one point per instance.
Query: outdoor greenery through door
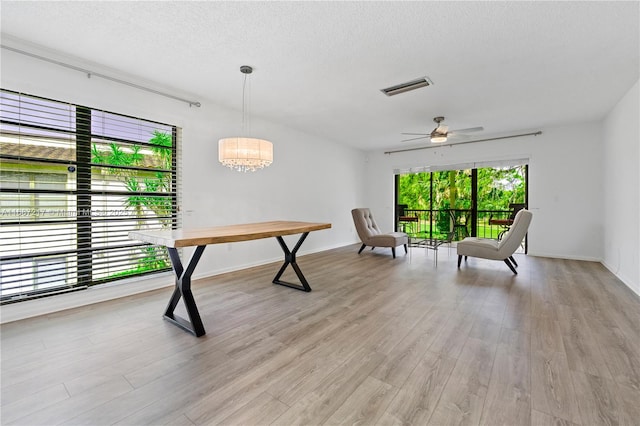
(473, 199)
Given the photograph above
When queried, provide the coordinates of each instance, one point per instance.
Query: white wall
(565, 184)
(311, 179)
(621, 178)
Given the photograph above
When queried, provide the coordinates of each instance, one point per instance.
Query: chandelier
(241, 153)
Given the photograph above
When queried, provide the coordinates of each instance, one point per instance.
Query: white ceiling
(507, 66)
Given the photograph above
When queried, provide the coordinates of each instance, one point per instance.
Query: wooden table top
(225, 234)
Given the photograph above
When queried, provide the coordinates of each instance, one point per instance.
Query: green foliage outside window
(497, 189)
(139, 181)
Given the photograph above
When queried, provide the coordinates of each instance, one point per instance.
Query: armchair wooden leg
(459, 260)
(513, 261)
(405, 249)
(362, 248)
(393, 251)
(511, 266)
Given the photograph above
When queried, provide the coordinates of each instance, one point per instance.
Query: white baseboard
(117, 289)
(564, 256)
(635, 287)
(99, 293)
(131, 286)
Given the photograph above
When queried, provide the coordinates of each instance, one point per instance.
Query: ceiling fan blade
(442, 128)
(413, 139)
(469, 130)
(458, 136)
(421, 134)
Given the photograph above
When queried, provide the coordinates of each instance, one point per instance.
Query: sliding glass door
(460, 202)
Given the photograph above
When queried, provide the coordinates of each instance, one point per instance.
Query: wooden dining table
(174, 239)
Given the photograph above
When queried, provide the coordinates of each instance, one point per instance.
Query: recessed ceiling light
(409, 85)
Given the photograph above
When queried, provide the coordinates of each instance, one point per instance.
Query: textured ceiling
(507, 66)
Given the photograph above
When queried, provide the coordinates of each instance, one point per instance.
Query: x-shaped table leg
(290, 259)
(183, 290)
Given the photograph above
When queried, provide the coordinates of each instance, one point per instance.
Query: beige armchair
(371, 235)
(498, 250)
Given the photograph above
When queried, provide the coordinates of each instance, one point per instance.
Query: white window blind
(74, 181)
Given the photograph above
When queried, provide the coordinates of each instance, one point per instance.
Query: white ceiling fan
(441, 133)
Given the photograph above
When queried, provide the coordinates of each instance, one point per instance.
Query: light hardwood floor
(377, 342)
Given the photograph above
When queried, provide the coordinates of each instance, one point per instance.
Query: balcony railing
(437, 224)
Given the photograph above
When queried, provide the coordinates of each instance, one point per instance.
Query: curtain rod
(462, 143)
(90, 73)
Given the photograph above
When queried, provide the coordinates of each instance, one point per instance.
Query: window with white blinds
(74, 181)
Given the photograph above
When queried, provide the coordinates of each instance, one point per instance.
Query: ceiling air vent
(405, 87)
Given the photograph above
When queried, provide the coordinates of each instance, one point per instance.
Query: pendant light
(243, 153)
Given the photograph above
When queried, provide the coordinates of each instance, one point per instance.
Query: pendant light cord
(244, 114)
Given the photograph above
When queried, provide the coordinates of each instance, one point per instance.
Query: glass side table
(429, 244)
